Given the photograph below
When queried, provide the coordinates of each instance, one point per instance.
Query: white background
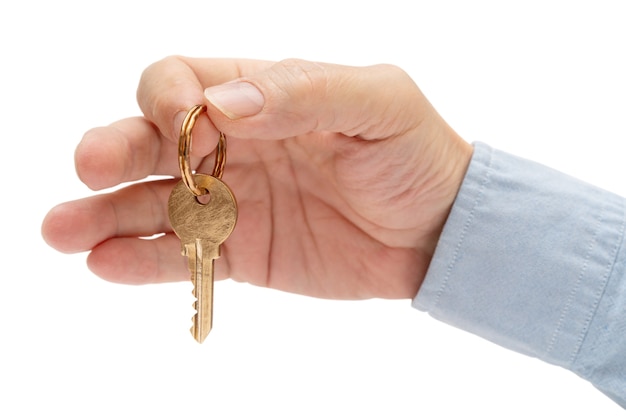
(541, 79)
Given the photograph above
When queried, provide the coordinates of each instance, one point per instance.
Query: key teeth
(192, 329)
(199, 329)
(198, 334)
(195, 302)
(195, 317)
(195, 332)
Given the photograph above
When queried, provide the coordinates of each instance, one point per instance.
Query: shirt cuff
(527, 259)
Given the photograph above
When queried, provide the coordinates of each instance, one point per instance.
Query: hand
(344, 177)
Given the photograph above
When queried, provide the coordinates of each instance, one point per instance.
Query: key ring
(184, 149)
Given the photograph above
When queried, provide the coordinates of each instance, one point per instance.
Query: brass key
(202, 228)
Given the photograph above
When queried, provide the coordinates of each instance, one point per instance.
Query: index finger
(170, 87)
(134, 148)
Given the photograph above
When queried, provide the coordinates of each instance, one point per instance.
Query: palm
(308, 224)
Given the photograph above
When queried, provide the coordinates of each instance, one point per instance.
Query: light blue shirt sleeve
(534, 260)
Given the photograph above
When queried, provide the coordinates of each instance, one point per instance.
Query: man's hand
(344, 177)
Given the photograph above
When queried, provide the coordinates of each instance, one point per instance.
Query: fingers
(127, 150)
(170, 87)
(259, 99)
(137, 210)
(267, 101)
(166, 91)
(146, 261)
(139, 261)
(295, 97)
(134, 148)
(111, 227)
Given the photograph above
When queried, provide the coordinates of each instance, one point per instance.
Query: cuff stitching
(602, 288)
(576, 287)
(466, 227)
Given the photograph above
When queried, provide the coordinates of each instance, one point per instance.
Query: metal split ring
(184, 149)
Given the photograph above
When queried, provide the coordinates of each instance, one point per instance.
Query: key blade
(201, 264)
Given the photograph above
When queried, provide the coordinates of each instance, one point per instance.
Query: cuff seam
(468, 223)
(602, 288)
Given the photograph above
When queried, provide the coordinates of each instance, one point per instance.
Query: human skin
(344, 177)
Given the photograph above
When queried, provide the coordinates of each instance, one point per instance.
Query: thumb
(295, 97)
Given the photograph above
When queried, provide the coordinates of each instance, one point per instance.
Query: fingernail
(236, 99)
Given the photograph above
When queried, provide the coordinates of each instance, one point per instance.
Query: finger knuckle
(301, 78)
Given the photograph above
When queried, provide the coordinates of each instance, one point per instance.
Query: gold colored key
(202, 228)
(201, 225)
